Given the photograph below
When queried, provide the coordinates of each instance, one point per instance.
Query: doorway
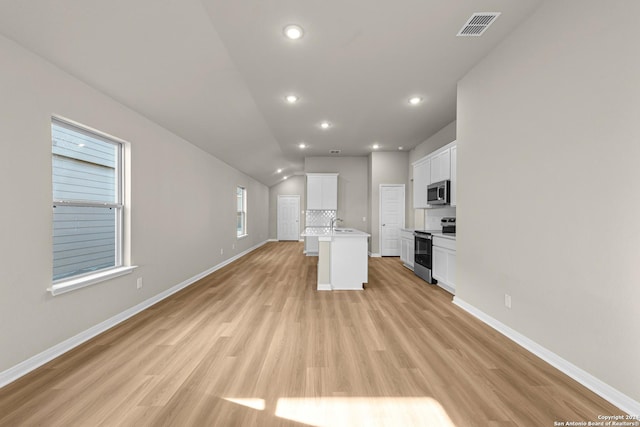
(288, 217)
(391, 218)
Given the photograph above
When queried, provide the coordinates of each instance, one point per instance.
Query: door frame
(404, 213)
(296, 196)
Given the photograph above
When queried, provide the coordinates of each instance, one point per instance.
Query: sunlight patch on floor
(364, 411)
(253, 403)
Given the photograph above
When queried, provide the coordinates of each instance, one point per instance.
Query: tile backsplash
(319, 218)
(432, 217)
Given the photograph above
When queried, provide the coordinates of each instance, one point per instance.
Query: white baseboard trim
(272, 240)
(599, 387)
(34, 362)
(374, 255)
(324, 287)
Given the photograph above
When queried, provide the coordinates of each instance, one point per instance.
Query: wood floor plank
(254, 344)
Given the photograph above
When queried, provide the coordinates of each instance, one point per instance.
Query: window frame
(245, 231)
(119, 268)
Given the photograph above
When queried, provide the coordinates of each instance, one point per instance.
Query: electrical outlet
(139, 283)
(364, 219)
(507, 300)
(221, 251)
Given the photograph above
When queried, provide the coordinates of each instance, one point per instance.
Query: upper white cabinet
(421, 179)
(437, 166)
(454, 173)
(441, 166)
(322, 191)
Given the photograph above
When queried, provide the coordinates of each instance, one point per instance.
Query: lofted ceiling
(216, 72)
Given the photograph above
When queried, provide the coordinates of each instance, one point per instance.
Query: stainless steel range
(423, 255)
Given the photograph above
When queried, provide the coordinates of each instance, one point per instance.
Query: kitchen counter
(444, 235)
(341, 232)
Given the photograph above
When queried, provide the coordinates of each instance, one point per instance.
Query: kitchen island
(343, 260)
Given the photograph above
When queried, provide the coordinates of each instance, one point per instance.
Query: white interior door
(288, 217)
(391, 218)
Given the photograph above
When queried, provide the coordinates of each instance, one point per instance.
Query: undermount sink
(343, 230)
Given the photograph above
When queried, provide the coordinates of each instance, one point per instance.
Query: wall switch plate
(221, 251)
(364, 219)
(233, 246)
(507, 300)
(139, 283)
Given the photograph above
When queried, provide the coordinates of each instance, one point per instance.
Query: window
(87, 206)
(241, 207)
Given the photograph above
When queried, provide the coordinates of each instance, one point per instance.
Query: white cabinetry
(437, 166)
(311, 245)
(322, 191)
(407, 248)
(444, 263)
(441, 165)
(454, 172)
(421, 179)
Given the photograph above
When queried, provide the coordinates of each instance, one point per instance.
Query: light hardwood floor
(255, 344)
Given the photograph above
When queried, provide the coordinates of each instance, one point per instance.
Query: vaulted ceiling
(216, 72)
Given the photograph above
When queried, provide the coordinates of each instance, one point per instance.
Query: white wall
(353, 190)
(439, 139)
(385, 168)
(548, 128)
(182, 207)
(293, 186)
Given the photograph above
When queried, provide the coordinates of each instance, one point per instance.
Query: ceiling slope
(215, 72)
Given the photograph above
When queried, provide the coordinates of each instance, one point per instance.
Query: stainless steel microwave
(439, 193)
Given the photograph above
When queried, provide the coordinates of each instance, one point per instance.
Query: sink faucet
(333, 223)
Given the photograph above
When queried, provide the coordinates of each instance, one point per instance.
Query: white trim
(374, 255)
(275, 240)
(404, 202)
(324, 287)
(79, 282)
(57, 350)
(446, 287)
(278, 231)
(617, 398)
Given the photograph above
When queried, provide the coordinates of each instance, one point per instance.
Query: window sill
(243, 236)
(65, 286)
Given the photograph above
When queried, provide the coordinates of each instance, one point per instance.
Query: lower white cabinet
(444, 263)
(311, 245)
(407, 248)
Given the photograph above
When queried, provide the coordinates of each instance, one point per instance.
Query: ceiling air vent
(477, 24)
(335, 151)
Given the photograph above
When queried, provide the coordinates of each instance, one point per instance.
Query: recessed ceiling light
(325, 125)
(376, 146)
(279, 171)
(293, 32)
(415, 100)
(401, 148)
(302, 145)
(286, 177)
(291, 99)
